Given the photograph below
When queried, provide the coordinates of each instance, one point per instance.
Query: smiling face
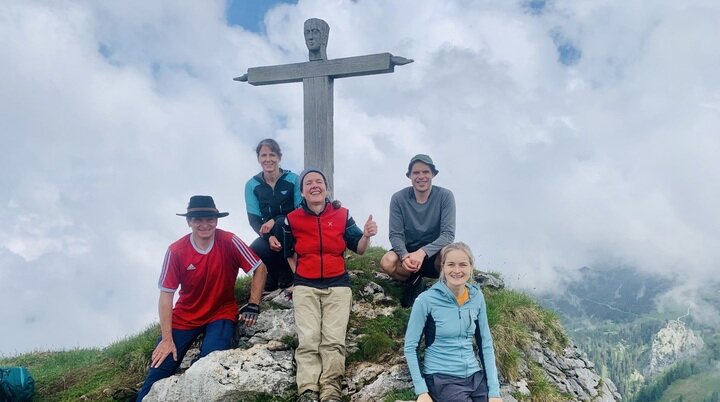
(457, 268)
(203, 229)
(268, 159)
(314, 190)
(421, 176)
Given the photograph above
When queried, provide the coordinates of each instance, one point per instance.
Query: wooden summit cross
(317, 76)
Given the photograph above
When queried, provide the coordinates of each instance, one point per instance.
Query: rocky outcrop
(230, 376)
(370, 382)
(263, 363)
(673, 343)
(571, 373)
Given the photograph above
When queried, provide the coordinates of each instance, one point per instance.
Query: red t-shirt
(206, 280)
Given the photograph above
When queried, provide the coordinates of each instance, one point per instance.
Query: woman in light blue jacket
(451, 314)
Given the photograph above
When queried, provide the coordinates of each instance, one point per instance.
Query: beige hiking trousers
(321, 317)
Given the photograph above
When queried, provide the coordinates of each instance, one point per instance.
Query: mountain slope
(535, 359)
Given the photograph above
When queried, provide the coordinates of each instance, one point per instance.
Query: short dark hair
(270, 143)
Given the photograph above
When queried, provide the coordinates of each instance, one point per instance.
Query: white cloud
(114, 114)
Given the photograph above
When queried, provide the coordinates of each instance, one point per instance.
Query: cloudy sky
(571, 132)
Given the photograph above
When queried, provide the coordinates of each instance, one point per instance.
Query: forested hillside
(620, 350)
(612, 314)
(691, 380)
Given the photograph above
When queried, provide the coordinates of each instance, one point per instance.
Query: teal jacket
(449, 330)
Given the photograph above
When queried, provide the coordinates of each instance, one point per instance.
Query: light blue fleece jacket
(449, 330)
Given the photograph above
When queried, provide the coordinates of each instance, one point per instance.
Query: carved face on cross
(316, 38)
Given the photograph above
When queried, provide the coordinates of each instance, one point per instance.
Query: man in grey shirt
(422, 221)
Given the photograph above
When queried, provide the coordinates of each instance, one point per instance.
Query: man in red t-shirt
(204, 265)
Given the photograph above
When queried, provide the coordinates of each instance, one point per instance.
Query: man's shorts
(428, 269)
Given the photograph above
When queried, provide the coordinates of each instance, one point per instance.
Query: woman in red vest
(315, 237)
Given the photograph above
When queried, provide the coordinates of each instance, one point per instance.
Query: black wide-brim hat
(203, 206)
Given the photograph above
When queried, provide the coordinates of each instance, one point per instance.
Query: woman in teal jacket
(272, 193)
(450, 315)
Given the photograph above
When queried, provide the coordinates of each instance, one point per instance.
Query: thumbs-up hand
(370, 229)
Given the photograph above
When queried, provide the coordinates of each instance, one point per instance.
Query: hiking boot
(308, 396)
(413, 287)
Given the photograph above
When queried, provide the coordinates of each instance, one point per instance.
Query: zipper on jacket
(321, 246)
(462, 337)
(272, 198)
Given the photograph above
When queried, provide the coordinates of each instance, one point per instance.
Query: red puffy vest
(319, 241)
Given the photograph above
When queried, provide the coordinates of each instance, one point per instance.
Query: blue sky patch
(568, 54)
(249, 13)
(535, 6)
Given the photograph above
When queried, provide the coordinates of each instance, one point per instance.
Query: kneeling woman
(450, 315)
(315, 237)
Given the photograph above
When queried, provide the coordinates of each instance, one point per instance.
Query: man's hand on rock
(249, 314)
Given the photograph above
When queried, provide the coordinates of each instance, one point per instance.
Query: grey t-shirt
(430, 226)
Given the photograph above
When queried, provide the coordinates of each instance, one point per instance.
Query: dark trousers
(279, 273)
(217, 335)
(447, 388)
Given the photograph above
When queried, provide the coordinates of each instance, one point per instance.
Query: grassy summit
(112, 373)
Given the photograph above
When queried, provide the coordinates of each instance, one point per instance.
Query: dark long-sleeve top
(430, 226)
(263, 202)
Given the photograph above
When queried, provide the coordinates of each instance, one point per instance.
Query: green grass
(698, 387)
(242, 289)
(379, 336)
(542, 389)
(68, 375)
(367, 265)
(133, 353)
(275, 398)
(400, 395)
(513, 317)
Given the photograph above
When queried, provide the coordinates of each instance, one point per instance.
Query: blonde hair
(459, 246)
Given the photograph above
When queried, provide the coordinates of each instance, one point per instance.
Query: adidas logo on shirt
(190, 268)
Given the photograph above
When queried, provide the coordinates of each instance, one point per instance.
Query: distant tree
(654, 391)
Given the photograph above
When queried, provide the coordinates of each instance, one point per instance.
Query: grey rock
(271, 325)
(486, 280)
(382, 276)
(588, 380)
(229, 376)
(506, 394)
(371, 310)
(372, 289)
(673, 343)
(522, 387)
(387, 379)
